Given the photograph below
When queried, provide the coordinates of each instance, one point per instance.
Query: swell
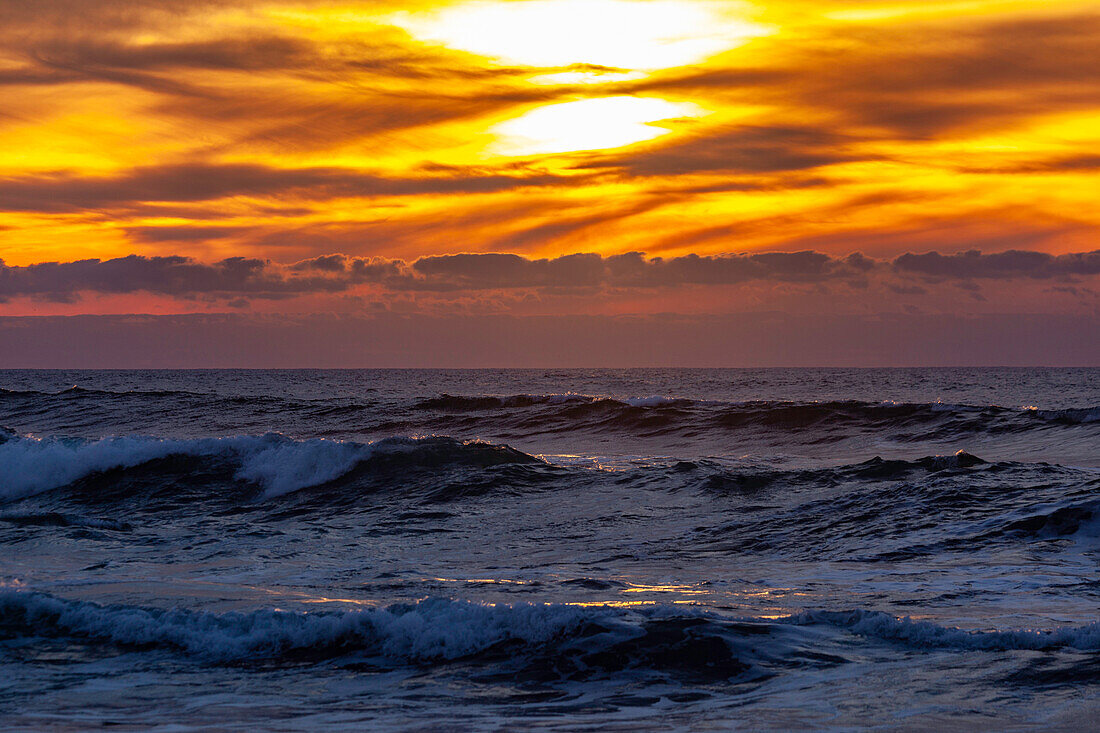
(671, 415)
(928, 635)
(890, 510)
(74, 399)
(711, 476)
(531, 414)
(78, 391)
(275, 463)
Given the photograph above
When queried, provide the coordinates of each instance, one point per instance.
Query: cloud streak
(206, 182)
(287, 129)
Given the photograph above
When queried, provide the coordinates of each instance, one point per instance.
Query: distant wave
(77, 397)
(77, 390)
(723, 479)
(536, 415)
(458, 403)
(581, 409)
(274, 462)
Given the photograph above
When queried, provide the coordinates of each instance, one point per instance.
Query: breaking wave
(277, 464)
(546, 640)
(559, 640)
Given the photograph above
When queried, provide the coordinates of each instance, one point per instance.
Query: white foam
(278, 464)
(442, 629)
(428, 630)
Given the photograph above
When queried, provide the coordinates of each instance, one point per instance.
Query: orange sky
(701, 132)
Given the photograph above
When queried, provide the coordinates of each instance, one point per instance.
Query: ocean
(757, 549)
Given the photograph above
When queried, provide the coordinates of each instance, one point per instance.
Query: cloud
(1000, 265)
(629, 270)
(177, 276)
(1064, 164)
(238, 276)
(495, 274)
(229, 54)
(596, 214)
(257, 82)
(922, 81)
(204, 182)
(184, 233)
(916, 78)
(737, 149)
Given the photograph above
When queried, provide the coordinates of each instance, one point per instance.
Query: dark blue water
(562, 549)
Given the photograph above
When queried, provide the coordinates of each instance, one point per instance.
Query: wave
(545, 640)
(78, 398)
(893, 510)
(532, 415)
(716, 477)
(1069, 416)
(429, 630)
(926, 634)
(77, 391)
(58, 519)
(1053, 522)
(576, 410)
(550, 640)
(459, 403)
(277, 464)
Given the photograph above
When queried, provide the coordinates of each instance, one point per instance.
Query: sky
(549, 182)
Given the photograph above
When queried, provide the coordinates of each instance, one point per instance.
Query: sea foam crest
(276, 463)
(433, 629)
(439, 629)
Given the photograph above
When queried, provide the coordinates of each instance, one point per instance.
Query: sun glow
(589, 124)
(623, 34)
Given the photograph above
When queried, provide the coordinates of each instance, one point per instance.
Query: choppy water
(604, 549)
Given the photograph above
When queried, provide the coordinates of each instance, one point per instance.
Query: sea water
(550, 549)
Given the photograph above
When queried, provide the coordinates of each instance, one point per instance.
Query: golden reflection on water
(753, 601)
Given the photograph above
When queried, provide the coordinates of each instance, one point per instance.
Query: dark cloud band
(242, 277)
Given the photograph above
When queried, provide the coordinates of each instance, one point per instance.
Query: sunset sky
(671, 162)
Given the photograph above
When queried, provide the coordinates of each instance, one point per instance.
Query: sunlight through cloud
(627, 34)
(588, 124)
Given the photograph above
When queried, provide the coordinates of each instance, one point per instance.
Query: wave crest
(563, 639)
(555, 640)
(277, 464)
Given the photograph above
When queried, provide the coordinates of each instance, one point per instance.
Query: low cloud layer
(256, 278)
(1011, 264)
